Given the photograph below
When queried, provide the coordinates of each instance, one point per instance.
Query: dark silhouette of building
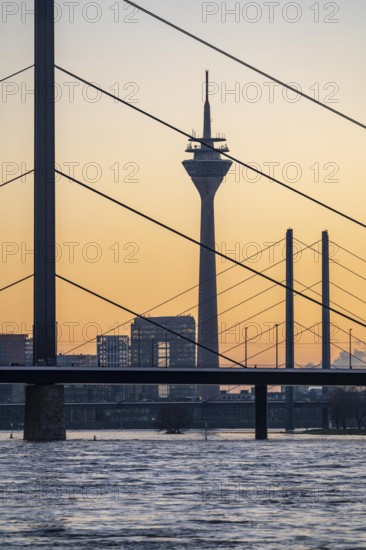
(79, 360)
(12, 349)
(153, 346)
(113, 351)
(207, 171)
(13, 352)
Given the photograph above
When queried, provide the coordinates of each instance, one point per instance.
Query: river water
(140, 489)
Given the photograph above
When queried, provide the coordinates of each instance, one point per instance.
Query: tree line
(347, 406)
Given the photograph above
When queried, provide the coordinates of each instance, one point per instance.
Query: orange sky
(139, 162)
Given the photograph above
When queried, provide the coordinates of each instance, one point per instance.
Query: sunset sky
(137, 161)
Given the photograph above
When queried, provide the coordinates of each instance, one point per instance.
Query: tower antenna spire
(207, 113)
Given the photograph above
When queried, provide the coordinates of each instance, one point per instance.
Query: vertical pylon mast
(207, 171)
(326, 302)
(290, 326)
(326, 353)
(44, 343)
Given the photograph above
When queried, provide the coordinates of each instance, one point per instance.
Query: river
(140, 489)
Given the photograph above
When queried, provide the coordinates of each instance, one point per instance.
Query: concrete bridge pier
(261, 431)
(44, 418)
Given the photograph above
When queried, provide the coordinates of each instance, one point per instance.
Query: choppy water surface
(143, 490)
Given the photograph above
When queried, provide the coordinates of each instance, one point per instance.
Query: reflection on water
(146, 490)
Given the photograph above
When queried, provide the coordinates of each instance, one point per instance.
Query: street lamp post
(246, 346)
(350, 349)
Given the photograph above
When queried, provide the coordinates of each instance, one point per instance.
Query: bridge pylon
(44, 407)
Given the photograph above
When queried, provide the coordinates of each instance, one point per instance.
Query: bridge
(44, 395)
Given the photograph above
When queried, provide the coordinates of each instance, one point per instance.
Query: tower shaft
(207, 312)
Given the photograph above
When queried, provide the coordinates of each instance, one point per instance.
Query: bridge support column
(290, 328)
(289, 408)
(261, 412)
(44, 413)
(326, 356)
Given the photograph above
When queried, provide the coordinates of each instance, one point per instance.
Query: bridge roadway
(222, 376)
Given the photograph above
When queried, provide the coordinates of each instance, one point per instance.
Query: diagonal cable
(208, 146)
(208, 248)
(147, 319)
(260, 313)
(349, 252)
(244, 63)
(17, 178)
(337, 263)
(15, 74)
(16, 282)
(182, 294)
(305, 329)
(336, 346)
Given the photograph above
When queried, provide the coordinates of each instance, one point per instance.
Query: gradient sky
(164, 72)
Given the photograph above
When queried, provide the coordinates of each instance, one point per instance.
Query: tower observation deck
(207, 170)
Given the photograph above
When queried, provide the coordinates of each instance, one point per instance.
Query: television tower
(207, 170)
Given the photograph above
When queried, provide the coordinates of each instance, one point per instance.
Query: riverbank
(334, 431)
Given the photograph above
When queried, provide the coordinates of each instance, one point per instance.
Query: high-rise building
(13, 352)
(113, 351)
(207, 170)
(79, 360)
(153, 346)
(12, 349)
(29, 352)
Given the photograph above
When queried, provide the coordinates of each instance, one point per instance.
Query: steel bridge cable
(256, 315)
(263, 291)
(265, 332)
(16, 282)
(208, 146)
(177, 296)
(220, 254)
(248, 278)
(265, 310)
(353, 335)
(281, 342)
(254, 337)
(236, 284)
(17, 178)
(18, 72)
(335, 345)
(244, 63)
(349, 270)
(338, 347)
(147, 319)
(349, 252)
(247, 300)
(230, 288)
(338, 263)
(335, 303)
(251, 317)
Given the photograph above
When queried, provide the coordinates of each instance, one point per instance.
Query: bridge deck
(222, 376)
